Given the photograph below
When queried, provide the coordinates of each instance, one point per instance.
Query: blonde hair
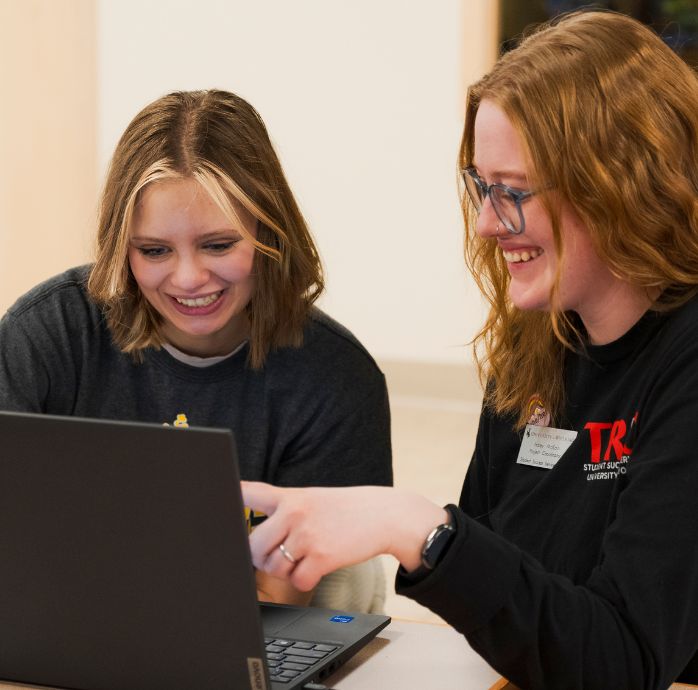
(219, 140)
(609, 114)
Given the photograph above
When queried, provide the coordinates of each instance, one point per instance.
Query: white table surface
(415, 656)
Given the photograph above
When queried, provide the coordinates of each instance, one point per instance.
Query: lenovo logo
(256, 670)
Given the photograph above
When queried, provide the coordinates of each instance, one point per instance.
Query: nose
(190, 274)
(488, 224)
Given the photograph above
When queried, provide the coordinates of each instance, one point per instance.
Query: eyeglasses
(506, 201)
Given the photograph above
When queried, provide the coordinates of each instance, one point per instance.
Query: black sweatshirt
(586, 575)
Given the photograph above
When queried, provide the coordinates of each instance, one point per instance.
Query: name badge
(543, 446)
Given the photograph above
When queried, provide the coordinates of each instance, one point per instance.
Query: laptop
(125, 565)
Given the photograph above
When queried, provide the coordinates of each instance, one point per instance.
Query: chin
(530, 302)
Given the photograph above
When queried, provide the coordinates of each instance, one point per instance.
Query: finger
(306, 575)
(279, 565)
(260, 496)
(266, 539)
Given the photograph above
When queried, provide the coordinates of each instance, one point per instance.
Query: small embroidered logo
(537, 414)
(182, 422)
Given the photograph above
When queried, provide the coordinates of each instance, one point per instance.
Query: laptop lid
(125, 562)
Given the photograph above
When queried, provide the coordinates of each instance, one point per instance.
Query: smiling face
(193, 266)
(587, 285)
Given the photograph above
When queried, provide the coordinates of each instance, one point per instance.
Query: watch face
(436, 544)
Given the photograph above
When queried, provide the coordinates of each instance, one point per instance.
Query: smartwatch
(435, 546)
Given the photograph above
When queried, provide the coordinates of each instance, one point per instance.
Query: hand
(278, 591)
(324, 529)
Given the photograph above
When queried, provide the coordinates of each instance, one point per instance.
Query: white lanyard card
(543, 446)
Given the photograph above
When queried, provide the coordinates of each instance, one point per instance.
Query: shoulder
(328, 350)
(325, 335)
(665, 351)
(676, 332)
(61, 297)
(323, 329)
(67, 286)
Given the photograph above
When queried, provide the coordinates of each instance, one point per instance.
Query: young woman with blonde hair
(199, 310)
(571, 560)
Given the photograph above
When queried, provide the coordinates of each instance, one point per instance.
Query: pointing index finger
(260, 496)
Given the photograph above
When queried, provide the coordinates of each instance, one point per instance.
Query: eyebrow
(203, 238)
(506, 174)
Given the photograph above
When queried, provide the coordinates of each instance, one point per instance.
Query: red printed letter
(616, 440)
(595, 434)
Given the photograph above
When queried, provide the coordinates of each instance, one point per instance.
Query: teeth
(518, 257)
(199, 301)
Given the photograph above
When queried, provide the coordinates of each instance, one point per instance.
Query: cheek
(146, 274)
(241, 265)
(582, 268)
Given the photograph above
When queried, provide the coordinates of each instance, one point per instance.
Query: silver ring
(287, 554)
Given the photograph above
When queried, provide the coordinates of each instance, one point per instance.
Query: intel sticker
(341, 619)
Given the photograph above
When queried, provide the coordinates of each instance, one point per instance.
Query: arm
(24, 379)
(43, 340)
(537, 628)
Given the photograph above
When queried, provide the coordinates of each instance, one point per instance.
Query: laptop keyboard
(287, 659)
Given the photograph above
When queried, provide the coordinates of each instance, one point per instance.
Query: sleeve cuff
(473, 580)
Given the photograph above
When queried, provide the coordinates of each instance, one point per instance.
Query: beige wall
(48, 123)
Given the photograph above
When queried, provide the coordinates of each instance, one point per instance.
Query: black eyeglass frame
(517, 195)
